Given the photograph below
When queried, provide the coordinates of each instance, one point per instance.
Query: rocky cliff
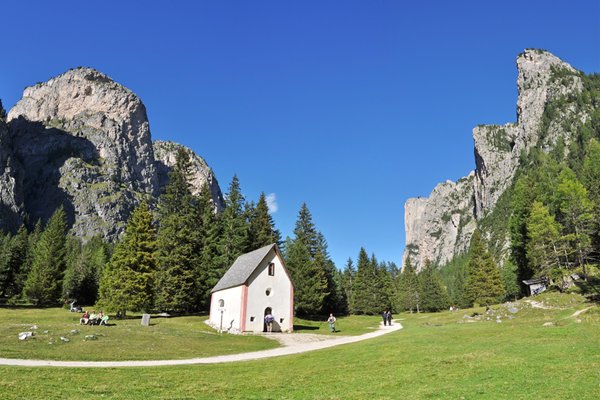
(166, 153)
(431, 231)
(82, 141)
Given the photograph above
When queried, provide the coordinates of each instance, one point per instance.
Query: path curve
(255, 355)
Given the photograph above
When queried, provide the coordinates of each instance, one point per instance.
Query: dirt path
(293, 344)
(578, 313)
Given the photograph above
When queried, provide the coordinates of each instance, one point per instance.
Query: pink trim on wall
(244, 308)
(291, 307)
(212, 298)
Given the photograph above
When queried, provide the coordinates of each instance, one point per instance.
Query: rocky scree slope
(82, 141)
(440, 226)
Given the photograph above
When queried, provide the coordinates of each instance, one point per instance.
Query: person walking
(331, 321)
(384, 316)
(388, 316)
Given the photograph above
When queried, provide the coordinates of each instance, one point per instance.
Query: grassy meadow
(435, 356)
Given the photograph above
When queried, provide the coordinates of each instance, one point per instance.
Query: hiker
(384, 316)
(388, 316)
(269, 318)
(331, 321)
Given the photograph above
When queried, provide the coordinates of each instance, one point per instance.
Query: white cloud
(271, 203)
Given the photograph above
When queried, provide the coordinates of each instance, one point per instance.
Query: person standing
(384, 316)
(269, 321)
(331, 321)
(388, 316)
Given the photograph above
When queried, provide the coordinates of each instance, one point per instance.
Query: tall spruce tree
(408, 297)
(179, 241)
(576, 212)
(44, 282)
(127, 282)
(591, 181)
(309, 279)
(333, 301)
(84, 268)
(434, 296)
(234, 238)
(212, 266)
(347, 283)
(484, 285)
(307, 260)
(544, 246)
(367, 298)
(261, 230)
(13, 260)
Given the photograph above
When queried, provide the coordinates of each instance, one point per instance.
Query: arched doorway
(268, 310)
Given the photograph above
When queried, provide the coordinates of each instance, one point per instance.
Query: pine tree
(212, 267)
(484, 286)
(15, 257)
(347, 283)
(305, 230)
(44, 282)
(368, 297)
(234, 238)
(509, 275)
(408, 297)
(309, 279)
(84, 266)
(310, 266)
(544, 242)
(32, 240)
(261, 229)
(521, 201)
(332, 303)
(179, 241)
(127, 282)
(434, 296)
(577, 217)
(591, 181)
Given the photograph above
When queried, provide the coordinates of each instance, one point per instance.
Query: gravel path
(293, 344)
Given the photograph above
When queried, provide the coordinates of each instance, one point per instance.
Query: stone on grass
(513, 310)
(25, 335)
(64, 339)
(549, 324)
(74, 331)
(90, 337)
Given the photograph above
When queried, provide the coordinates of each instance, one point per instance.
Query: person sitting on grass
(93, 318)
(85, 318)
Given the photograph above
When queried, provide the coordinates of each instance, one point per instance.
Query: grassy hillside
(435, 356)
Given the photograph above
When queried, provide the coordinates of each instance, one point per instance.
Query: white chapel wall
(232, 299)
(279, 299)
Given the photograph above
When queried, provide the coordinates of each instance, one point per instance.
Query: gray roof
(242, 268)
(535, 281)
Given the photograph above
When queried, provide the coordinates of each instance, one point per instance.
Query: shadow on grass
(305, 328)
(590, 288)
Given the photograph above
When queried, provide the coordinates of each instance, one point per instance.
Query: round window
(269, 292)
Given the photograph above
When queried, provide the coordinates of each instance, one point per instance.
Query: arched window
(221, 303)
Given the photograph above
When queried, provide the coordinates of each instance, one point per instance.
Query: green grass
(165, 338)
(435, 356)
(347, 326)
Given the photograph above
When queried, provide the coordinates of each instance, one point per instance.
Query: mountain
(439, 227)
(83, 141)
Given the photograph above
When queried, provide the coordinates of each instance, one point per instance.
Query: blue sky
(349, 106)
